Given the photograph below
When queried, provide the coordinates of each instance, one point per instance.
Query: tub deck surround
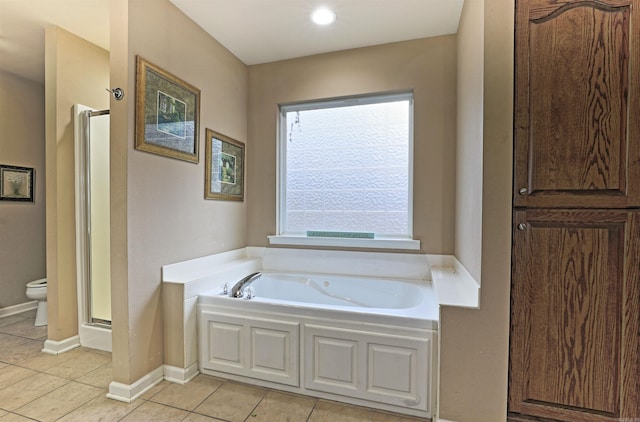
(182, 283)
(452, 283)
(366, 264)
(447, 281)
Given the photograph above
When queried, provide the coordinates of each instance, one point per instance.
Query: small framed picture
(167, 113)
(16, 183)
(224, 167)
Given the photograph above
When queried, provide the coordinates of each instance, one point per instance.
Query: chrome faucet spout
(238, 288)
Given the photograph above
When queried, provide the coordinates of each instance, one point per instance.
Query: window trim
(380, 241)
(377, 243)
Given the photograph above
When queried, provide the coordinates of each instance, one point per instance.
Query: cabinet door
(574, 352)
(389, 369)
(577, 104)
(254, 347)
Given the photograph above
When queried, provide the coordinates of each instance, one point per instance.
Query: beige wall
(22, 224)
(427, 66)
(75, 72)
(475, 343)
(159, 214)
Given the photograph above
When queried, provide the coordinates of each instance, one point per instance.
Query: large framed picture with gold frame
(167, 113)
(224, 167)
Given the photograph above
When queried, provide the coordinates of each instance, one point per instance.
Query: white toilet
(37, 290)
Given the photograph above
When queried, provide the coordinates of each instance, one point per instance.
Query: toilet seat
(38, 283)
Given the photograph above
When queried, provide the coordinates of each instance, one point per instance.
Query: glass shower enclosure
(93, 226)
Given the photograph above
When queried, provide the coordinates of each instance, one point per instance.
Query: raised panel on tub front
(388, 369)
(274, 351)
(225, 345)
(252, 347)
(335, 364)
(392, 371)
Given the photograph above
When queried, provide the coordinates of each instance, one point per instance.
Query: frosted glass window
(346, 166)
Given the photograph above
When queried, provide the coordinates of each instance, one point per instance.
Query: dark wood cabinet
(575, 314)
(577, 107)
(575, 291)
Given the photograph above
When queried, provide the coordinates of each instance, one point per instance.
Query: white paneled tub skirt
(359, 340)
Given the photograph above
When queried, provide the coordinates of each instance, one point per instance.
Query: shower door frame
(94, 333)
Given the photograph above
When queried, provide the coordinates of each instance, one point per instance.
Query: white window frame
(380, 241)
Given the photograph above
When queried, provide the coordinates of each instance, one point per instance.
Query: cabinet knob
(522, 226)
(522, 191)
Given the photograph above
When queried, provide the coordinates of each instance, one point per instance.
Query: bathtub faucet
(238, 289)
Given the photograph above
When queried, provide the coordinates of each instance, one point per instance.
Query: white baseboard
(19, 308)
(56, 347)
(180, 375)
(95, 337)
(129, 392)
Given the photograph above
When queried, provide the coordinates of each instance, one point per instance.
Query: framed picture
(224, 167)
(16, 183)
(167, 113)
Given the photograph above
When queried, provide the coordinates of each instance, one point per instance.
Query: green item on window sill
(346, 235)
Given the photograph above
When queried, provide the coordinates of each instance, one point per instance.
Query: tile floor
(72, 387)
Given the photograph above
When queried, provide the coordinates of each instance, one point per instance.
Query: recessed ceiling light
(323, 16)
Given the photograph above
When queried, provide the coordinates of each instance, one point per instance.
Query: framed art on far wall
(224, 167)
(16, 183)
(167, 113)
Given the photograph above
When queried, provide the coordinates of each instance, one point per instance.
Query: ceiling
(256, 31)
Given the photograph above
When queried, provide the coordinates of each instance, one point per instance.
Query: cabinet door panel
(254, 347)
(574, 322)
(576, 134)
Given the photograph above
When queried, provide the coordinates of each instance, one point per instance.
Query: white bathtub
(367, 299)
(365, 341)
(335, 290)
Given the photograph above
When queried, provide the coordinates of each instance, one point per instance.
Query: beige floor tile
(28, 314)
(101, 409)
(15, 349)
(96, 351)
(155, 390)
(59, 402)
(331, 412)
(189, 395)
(153, 412)
(24, 328)
(390, 417)
(194, 417)
(100, 377)
(12, 417)
(27, 390)
(43, 361)
(81, 362)
(280, 407)
(10, 375)
(8, 320)
(231, 402)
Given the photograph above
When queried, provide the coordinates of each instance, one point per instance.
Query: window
(345, 172)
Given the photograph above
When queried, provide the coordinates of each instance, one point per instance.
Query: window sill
(380, 243)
